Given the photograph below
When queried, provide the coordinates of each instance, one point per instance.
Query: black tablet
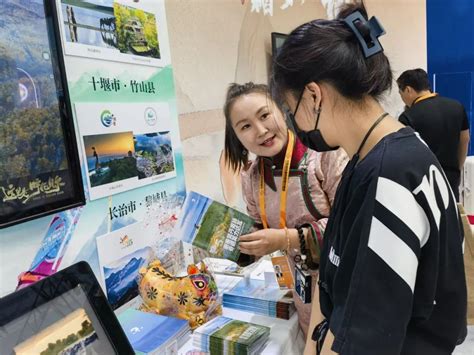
(66, 313)
(39, 162)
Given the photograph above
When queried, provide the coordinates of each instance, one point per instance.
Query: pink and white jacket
(312, 185)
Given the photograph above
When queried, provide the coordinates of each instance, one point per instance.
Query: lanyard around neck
(424, 97)
(382, 116)
(284, 184)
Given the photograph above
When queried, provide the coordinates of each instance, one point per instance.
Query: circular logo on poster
(107, 118)
(150, 116)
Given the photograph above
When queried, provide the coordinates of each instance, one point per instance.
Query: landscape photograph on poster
(74, 334)
(154, 154)
(90, 22)
(124, 31)
(136, 31)
(120, 276)
(133, 135)
(110, 157)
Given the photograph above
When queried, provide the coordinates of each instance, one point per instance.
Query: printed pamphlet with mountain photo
(121, 254)
(212, 226)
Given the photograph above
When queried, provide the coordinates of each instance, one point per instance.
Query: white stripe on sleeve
(394, 252)
(401, 202)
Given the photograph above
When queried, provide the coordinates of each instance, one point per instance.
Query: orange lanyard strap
(284, 184)
(424, 97)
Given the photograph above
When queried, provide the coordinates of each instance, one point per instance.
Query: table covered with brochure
(285, 336)
(231, 309)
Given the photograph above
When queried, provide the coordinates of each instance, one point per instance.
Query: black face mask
(312, 139)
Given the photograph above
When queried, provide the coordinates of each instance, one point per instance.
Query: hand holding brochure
(212, 226)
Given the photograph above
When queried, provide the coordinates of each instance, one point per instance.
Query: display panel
(39, 164)
(66, 313)
(277, 41)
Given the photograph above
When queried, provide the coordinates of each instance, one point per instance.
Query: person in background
(441, 122)
(254, 124)
(96, 157)
(391, 277)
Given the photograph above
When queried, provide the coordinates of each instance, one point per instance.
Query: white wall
(216, 42)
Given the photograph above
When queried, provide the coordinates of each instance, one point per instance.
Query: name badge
(303, 283)
(283, 273)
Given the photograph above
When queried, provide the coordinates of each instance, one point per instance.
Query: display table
(285, 335)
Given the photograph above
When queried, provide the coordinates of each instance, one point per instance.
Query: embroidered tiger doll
(192, 297)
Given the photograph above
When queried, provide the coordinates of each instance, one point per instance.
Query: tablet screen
(64, 325)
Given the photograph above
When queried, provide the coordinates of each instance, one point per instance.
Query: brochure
(212, 226)
(121, 254)
(224, 335)
(150, 333)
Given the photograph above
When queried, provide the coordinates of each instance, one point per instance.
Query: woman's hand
(263, 242)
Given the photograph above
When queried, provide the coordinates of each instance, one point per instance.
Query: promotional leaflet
(121, 254)
(224, 335)
(212, 226)
(152, 334)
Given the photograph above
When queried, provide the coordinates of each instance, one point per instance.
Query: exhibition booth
(119, 214)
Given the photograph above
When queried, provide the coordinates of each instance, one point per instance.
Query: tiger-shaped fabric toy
(192, 297)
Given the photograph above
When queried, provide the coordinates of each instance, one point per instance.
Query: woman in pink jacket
(288, 188)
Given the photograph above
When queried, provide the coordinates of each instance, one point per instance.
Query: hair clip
(368, 41)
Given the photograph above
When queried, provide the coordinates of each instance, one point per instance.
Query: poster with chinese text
(156, 163)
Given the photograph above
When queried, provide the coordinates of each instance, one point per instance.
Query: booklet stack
(258, 297)
(150, 333)
(224, 335)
